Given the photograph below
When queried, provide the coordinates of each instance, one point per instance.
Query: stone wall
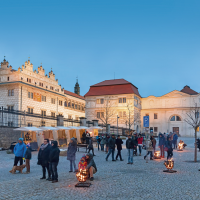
(7, 136)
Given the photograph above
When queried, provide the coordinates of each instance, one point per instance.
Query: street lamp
(117, 124)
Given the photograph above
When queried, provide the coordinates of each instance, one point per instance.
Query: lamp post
(117, 124)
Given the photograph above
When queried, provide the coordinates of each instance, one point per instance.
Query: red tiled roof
(189, 91)
(112, 87)
(73, 94)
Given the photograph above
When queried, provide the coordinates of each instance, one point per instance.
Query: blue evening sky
(153, 44)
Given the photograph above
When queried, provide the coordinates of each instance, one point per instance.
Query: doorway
(176, 130)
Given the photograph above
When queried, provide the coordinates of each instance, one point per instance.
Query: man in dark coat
(43, 158)
(119, 143)
(162, 144)
(91, 166)
(53, 161)
(130, 147)
(83, 137)
(111, 146)
(28, 158)
(90, 146)
(71, 154)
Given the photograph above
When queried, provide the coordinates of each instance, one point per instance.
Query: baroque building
(32, 91)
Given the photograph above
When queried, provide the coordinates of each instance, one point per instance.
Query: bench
(82, 146)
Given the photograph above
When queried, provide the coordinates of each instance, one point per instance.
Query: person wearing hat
(28, 158)
(111, 145)
(19, 151)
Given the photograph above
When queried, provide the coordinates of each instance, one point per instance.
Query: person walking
(71, 154)
(19, 151)
(149, 149)
(161, 144)
(98, 141)
(90, 146)
(83, 137)
(153, 143)
(119, 143)
(134, 138)
(28, 158)
(111, 145)
(168, 145)
(140, 143)
(53, 161)
(106, 142)
(43, 158)
(130, 147)
(102, 143)
(87, 137)
(175, 138)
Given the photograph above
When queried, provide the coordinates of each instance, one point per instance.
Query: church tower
(77, 88)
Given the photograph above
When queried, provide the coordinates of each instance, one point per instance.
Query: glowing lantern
(157, 155)
(169, 164)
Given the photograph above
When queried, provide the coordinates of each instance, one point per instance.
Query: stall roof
(95, 127)
(63, 128)
(49, 128)
(73, 127)
(32, 128)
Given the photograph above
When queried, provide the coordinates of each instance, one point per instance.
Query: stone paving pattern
(114, 180)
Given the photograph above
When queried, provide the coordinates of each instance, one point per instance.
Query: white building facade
(32, 91)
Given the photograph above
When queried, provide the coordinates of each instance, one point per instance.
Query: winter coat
(119, 143)
(90, 146)
(130, 144)
(161, 140)
(20, 150)
(43, 156)
(111, 143)
(54, 153)
(149, 146)
(175, 137)
(106, 141)
(134, 138)
(98, 139)
(168, 144)
(102, 141)
(84, 135)
(154, 142)
(28, 153)
(140, 140)
(90, 162)
(71, 152)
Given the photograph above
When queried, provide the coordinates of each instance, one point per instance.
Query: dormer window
(28, 80)
(40, 84)
(8, 78)
(51, 88)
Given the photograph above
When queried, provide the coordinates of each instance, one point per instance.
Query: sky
(151, 43)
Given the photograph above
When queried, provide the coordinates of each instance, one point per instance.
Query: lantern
(157, 155)
(169, 164)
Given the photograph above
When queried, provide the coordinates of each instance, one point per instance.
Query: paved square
(114, 180)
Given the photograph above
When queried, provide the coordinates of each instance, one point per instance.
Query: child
(82, 164)
(28, 158)
(90, 146)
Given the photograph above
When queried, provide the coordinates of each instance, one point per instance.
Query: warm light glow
(169, 164)
(82, 175)
(180, 145)
(157, 154)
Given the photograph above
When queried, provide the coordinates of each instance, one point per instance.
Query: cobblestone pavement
(114, 180)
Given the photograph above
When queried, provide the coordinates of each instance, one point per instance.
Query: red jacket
(140, 140)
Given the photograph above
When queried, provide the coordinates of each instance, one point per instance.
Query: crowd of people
(48, 155)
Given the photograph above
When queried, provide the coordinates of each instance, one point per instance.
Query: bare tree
(107, 112)
(194, 121)
(132, 117)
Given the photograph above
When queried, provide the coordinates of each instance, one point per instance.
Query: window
(10, 107)
(124, 100)
(40, 84)
(44, 98)
(120, 100)
(69, 117)
(30, 124)
(53, 101)
(69, 104)
(72, 105)
(53, 114)
(124, 113)
(155, 116)
(100, 115)
(60, 103)
(76, 117)
(8, 78)
(30, 110)
(30, 95)
(65, 104)
(57, 90)
(79, 107)
(51, 88)
(82, 108)
(175, 118)
(120, 114)
(43, 112)
(10, 124)
(11, 92)
(75, 106)
(100, 101)
(155, 129)
(28, 80)
(42, 123)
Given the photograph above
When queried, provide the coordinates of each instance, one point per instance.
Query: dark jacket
(175, 137)
(106, 141)
(28, 153)
(90, 146)
(111, 143)
(168, 144)
(84, 135)
(161, 139)
(90, 162)
(71, 151)
(153, 142)
(43, 156)
(130, 144)
(54, 152)
(134, 138)
(119, 143)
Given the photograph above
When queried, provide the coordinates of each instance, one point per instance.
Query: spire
(77, 88)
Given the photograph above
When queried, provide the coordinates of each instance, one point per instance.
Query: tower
(77, 88)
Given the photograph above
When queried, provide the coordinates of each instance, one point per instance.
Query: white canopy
(95, 127)
(63, 128)
(73, 127)
(27, 129)
(48, 128)
(82, 127)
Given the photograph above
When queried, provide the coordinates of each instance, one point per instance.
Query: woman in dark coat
(71, 154)
(43, 158)
(169, 148)
(119, 143)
